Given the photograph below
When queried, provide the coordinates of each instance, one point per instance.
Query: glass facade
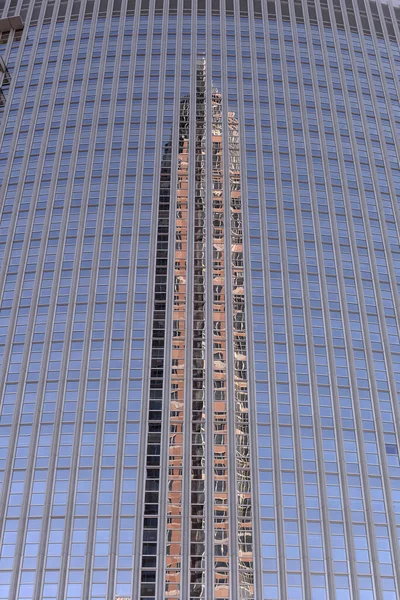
(199, 300)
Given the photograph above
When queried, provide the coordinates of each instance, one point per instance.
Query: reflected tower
(208, 485)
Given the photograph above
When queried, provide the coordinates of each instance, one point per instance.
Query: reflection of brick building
(176, 423)
(192, 413)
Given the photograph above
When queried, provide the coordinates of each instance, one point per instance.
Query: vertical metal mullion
(171, 265)
(186, 512)
(5, 7)
(255, 483)
(142, 451)
(230, 379)
(138, 544)
(170, 294)
(163, 492)
(395, 20)
(209, 495)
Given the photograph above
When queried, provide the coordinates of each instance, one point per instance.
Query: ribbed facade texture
(199, 300)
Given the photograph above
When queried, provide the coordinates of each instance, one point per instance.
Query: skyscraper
(199, 300)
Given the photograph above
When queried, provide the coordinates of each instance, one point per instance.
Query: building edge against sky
(199, 300)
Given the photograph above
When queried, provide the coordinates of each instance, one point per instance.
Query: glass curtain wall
(199, 300)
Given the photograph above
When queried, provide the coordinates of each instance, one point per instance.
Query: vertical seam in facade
(209, 508)
(186, 512)
(270, 336)
(255, 482)
(144, 420)
(163, 479)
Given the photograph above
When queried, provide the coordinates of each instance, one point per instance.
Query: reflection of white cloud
(392, 2)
